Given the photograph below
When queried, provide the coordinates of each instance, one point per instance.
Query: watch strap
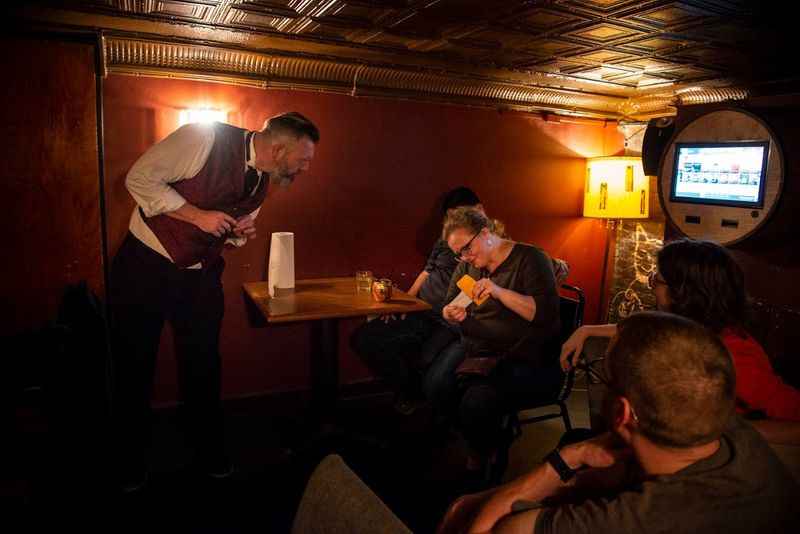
(564, 471)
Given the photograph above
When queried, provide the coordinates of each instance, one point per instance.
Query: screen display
(731, 174)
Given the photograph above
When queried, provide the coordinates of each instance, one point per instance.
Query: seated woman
(417, 354)
(700, 280)
(505, 338)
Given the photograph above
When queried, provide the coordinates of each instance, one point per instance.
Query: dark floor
(415, 470)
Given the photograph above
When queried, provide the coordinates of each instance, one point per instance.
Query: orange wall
(369, 200)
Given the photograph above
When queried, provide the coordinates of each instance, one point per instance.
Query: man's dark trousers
(146, 290)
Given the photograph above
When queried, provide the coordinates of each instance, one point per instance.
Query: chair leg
(496, 468)
(565, 416)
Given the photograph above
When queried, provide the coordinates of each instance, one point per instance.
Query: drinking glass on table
(363, 281)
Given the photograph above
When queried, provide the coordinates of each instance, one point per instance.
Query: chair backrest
(336, 501)
(571, 312)
(571, 309)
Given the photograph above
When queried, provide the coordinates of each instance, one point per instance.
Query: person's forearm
(540, 483)
(599, 330)
(186, 213)
(415, 287)
(522, 305)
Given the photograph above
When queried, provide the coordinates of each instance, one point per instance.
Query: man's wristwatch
(564, 471)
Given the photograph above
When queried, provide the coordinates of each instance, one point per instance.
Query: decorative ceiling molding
(611, 59)
(659, 105)
(150, 57)
(126, 55)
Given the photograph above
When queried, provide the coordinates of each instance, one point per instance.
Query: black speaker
(655, 140)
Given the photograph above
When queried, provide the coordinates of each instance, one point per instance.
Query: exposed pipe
(355, 79)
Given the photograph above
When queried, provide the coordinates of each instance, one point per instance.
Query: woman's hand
(454, 314)
(485, 288)
(572, 348)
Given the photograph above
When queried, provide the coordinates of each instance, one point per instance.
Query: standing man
(196, 191)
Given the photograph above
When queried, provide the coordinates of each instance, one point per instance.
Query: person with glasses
(506, 338)
(701, 280)
(417, 353)
(678, 458)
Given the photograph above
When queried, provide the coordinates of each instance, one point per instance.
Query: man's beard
(281, 180)
(281, 176)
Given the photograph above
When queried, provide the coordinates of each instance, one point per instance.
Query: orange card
(467, 285)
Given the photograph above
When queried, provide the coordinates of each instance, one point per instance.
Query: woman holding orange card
(508, 325)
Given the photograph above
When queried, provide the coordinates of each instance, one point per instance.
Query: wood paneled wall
(49, 181)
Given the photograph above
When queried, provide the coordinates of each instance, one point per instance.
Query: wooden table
(324, 301)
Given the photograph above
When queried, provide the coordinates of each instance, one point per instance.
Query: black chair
(571, 311)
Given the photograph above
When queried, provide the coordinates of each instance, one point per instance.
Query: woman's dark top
(494, 330)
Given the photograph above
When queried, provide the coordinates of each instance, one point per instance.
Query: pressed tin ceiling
(616, 59)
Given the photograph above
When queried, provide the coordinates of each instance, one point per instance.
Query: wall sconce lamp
(616, 188)
(204, 116)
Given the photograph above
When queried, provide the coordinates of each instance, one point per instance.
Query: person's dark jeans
(439, 382)
(402, 349)
(485, 400)
(146, 289)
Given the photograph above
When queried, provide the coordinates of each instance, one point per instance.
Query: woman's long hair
(705, 283)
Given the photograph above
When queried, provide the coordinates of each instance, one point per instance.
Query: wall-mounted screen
(726, 174)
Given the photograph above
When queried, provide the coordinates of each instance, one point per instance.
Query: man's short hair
(677, 375)
(292, 124)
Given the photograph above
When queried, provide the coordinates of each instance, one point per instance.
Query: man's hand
(216, 223)
(213, 222)
(601, 451)
(245, 227)
(542, 482)
(454, 314)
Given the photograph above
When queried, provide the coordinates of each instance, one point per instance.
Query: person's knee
(436, 385)
(479, 402)
(440, 378)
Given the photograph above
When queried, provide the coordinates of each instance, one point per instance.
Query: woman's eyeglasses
(467, 249)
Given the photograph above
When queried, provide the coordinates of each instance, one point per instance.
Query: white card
(462, 300)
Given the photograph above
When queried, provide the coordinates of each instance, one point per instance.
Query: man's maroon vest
(220, 186)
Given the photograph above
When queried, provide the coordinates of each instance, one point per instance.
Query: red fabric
(757, 385)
